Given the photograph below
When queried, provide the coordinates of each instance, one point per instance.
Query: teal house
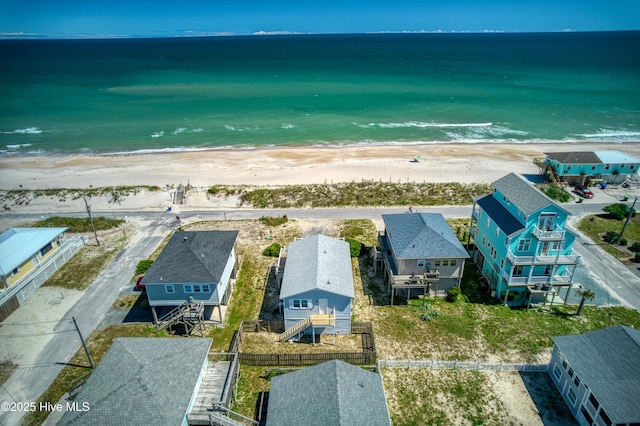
(522, 247)
(586, 167)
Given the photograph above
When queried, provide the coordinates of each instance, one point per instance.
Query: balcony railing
(566, 259)
(534, 279)
(546, 235)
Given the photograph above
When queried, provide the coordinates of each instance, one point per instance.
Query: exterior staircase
(318, 320)
(172, 317)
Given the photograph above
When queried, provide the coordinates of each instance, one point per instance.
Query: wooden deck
(212, 386)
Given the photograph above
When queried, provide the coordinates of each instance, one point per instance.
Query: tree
(585, 293)
(619, 210)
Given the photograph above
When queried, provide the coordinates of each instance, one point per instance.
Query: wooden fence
(463, 365)
(367, 357)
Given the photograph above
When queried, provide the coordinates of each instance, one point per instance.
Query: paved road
(612, 281)
(27, 384)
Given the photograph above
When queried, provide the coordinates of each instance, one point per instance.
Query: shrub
(273, 250)
(453, 294)
(611, 236)
(636, 258)
(274, 221)
(618, 211)
(556, 193)
(143, 266)
(355, 247)
(635, 246)
(623, 242)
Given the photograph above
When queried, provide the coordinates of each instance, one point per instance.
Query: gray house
(317, 287)
(143, 381)
(196, 266)
(598, 375)
(420, 251)
(332, 393)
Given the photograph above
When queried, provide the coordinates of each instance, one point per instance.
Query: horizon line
(201, 34)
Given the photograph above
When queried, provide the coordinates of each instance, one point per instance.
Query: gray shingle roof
(143, 381)
(422, 236)
(500, 215)
(318, 262)
(193, 257)
(574, 157)
(608, 361)
(522, 193)
(332, 393)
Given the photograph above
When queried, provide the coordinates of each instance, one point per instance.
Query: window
(605, 418)
(557, 245)
(196, 288)
(569, 167)
(524, 244)
(586, 415)
(570, 372)
(15, 271)
(547, 270)
(484, 240)
(556, 372)
(445, 262)
(168, 288)
(517, 271)
(437, 263)
(501, 263)
(488, 222)
(300, 304)
(497, 232)
(594, 401)
(564, 363)
(607, 166)
(206, 288)
(572, 396)
(46, 249)
(593, 167)
(576, 381)
(452, 262)
(420, 263)
(188, 288)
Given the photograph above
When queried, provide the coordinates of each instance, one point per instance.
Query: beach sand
(466, 163)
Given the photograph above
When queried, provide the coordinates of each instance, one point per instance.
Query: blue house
(521, 245)
(194, 266)
(586, 167)
(597, 373)
(317, 287)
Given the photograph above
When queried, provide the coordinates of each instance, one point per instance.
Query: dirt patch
(267, 343)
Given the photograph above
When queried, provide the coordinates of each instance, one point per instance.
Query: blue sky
(193, 17)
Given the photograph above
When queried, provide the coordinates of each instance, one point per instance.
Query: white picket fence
(462, 365)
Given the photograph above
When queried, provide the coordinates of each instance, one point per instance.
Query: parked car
(139, 284)
(583, 191)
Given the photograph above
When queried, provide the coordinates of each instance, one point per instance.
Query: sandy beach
(467, 163)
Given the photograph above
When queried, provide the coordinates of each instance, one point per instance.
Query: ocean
(154, 95)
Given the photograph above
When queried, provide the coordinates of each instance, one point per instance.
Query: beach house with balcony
(196, 267)
(419, 251)
(28, 257)
(521, 245)
(596, 373)
(589, 167)
(317, 287)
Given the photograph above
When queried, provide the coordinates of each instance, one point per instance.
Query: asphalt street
(613, 283)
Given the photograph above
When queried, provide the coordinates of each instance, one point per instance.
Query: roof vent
(184, 239)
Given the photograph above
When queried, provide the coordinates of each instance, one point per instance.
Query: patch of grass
(131, 300)
(555, 192)
(363, 230)
(252, 382)
(7, 368)
(595, 225)
(83, 268)
(78, 366)
(274, 221)
(116, 194)
(78, 225)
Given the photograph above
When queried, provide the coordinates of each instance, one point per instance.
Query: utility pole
(626, 222)
(91, 220)
(86, 349)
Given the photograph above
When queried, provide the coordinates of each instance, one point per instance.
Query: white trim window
(421, 263)
(188, 288)
(524, 244)
(206, 288)
(168, 288)
(300, 304)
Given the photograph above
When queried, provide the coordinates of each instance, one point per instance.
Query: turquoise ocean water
(105, 96)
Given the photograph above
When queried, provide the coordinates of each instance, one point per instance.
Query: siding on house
(611, 166)
(521, 242)
(318, 271)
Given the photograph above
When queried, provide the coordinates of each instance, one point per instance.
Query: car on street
(583, 191)
(139, 284)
